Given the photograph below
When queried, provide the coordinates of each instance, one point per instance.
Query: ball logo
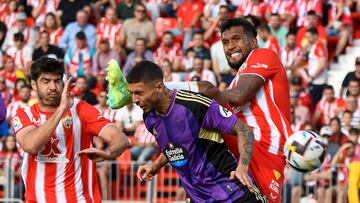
(224, 112)
(16, 123)
(176, 154)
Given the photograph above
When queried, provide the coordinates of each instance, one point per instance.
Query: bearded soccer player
(258, 95)
(56, 135)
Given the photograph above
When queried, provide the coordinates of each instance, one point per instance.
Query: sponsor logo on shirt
(224, 112)
(51, 152)
(259, 65)
(274, 187)
(176, 154)
(17, 123)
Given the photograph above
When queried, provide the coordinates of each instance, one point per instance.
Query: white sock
(190, 86)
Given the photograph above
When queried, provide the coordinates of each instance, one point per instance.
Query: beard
(46, 100)
(237, 64)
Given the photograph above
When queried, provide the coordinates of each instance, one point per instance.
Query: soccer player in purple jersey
(187, 127)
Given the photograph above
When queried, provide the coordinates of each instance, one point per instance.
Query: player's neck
(46, 108)
(164, 106)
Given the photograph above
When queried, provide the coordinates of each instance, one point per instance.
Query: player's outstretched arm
(148, 171)
(246, 145)
(117, 143)
(32, 139)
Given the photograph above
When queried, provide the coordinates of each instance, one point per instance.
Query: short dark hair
(354, 80)
(291, 32)
(249, 29)
(311, 13)
(253, 19)
(168, 33)
(224, 6)
(275, 14)
(312, 31)
(354, 131)
(328, 87)
(198, 32)
(264, 27)
(347, 111)
(46, 65)
(44, 32)
(145, 71)
(19, 37)
(80, 35)
(141, 39)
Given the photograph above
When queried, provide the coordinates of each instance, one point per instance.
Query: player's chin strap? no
(259, 196)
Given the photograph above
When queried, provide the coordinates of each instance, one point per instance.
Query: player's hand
(241, 173)
(146, 172)
(67, 98)
(94, 154)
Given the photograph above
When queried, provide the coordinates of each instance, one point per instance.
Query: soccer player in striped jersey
(187, 127)
(56, 135)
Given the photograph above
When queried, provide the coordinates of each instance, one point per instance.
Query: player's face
(237, 46)
(145, 95)
(48, 88)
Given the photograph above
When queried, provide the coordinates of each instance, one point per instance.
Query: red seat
(163, 24)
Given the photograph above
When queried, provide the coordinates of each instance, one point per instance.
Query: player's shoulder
(192, 99)
(263, 57)
(260, 53)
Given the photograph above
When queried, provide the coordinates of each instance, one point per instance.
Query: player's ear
(159, 86)
(33, 85)
(254, 43)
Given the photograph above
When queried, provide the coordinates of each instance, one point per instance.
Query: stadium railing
(123, 185)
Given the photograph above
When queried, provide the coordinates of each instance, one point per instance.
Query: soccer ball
(305, 151)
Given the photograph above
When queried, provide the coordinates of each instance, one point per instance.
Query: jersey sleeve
(93, 120)
(219, 118)
(320, 50)
(263, 63)
(22, 119)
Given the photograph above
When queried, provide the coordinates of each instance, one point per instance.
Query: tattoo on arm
(245, 141)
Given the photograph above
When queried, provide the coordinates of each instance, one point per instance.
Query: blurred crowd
(183, 38)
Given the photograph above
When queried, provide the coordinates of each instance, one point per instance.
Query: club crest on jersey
(16, 123)
(176, 154)
(67, 121)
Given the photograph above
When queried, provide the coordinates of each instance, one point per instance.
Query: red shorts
(266, 168)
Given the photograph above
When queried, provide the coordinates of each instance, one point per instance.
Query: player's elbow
(30, 148)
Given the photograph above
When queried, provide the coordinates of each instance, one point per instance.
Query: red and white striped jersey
(280, 6)
(268, 113)
(13, 107)
(108, 113)
(248, 7)
(104, 30)
(22, 57)
(143, 135)
(57, 173)
(8, 19)
(302, 7)
(55, 35)
(206, 75)
(273, 44)
(171, 53)
(50, 6)
(329, 109)
(317, 50)
(288, 56)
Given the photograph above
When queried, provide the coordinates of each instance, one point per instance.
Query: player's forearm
(245, 141)
(320, 68)
(117, 141)
(35, 140)
(213, 92)
(160, 162)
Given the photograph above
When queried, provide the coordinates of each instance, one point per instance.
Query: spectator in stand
(3, 31)
(8, 16)
(144, 145)
(22, 54)
(212, 8)
(301, 9)
(140, 51)
(289, 53)
(80, 25)
(312, 20)
(105, 110)
(102, 56)
(315, 75)
(68, 12)
(24, 95)
(10, 73)
(128, 118)
(2, 109)
(354, 89)
(212, 33)
(39, 9)
(29, 33)
(125, 9)
(52, 25)
(137, 27)
(169, 75)
(188, 20)
(346, 125)
(277, 30)
(350, 76)
(4, 91)
(300, 114)
(99, 84)
(200, 72)
(283, 8)
(109, 29)
(224, 74)
(270, 41)
(200, 50)
(82, 92)
(47, 49)
(19, 83)
(339, 25)
(78, 59)
(337, 138)
(11, 152)
(352, 106)
(328, 107)
(169, 50)
(251, 7)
